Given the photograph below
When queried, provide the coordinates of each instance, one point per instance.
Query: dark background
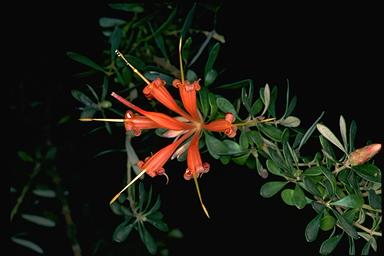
(330, 54)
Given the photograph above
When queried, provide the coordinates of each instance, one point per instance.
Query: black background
(330, 54)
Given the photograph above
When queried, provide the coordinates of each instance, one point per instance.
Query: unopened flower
(363, 155)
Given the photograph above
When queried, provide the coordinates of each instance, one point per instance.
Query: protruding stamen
(126, 187)
(117, 120)
(199, 195)
(181, 60)
(120, 55)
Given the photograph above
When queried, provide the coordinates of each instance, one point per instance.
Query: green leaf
(271, 188)
(257, 139)
(233, 148)
(352, 136)
(137, 8)
(310, 185)
(370, 241)
(166, 23)
(26, 243)
(330, 244)
(313, 171)
(241, 160)
(350, 201)
(309, 132)
(212, 105)
(312, 229)
(330, 178)
(188, 21)
(147, 239)
(152, 75)
(175, 233)
(159, 224)
(368, 172)
(39, 220)
(243, 140)
(247, 96)
(273, 168)
(159, 39)
(287, 196)
(290, 121)
(374, 199)
(106, 22)
(271, 131)
(299, 197)
(213, 53)
(210, 77)
(256, 107)
(115, 40)
(85, 60)
(236, 85)
(25, 156)
(345, 225)
(265, 95)
(215, 146)
(47, 193)
(327, 222)
(203, 100)
(272, 102)
(191, 75)
(365, 250)
(352, 248)
(328, 134)
(343, 132)
(122, 231)
(226, 106)
(185, 52)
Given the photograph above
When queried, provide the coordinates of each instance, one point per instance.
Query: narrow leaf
(328, 134)
(47, 193)
(299, 197)
(343, 132)
(213, 53)
(122, 232)
(137, 8)
(188, 21)
(85, 60)
(266, 97)
(309, 132)
(39, 220)
(30, 245)
(25, 156)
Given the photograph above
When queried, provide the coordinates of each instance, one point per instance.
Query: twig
(66, 211)
(26, 188)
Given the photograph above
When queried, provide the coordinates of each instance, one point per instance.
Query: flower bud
(362, 155)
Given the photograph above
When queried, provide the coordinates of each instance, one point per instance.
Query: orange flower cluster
(186, 128)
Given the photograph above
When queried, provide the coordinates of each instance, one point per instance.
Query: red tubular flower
(156, 89)
(154, 165)
(223, 125)
(161, 119)
(136, 123)
(188, 96)
(195, 165)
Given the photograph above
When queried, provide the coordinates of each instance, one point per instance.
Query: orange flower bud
(362, 155)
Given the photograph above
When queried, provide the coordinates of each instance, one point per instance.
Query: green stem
(26, 188)
(371, 232)
(255, 121)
